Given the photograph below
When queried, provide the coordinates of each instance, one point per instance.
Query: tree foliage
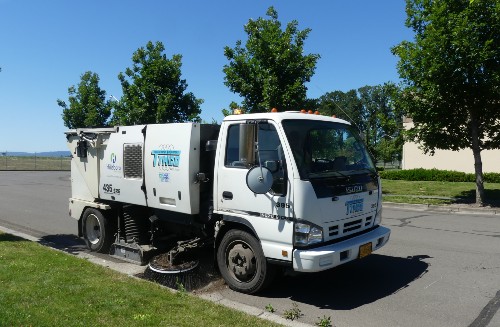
(270, 71)
(451, 74)
(153, 90)
(372, 110)
(88, 106)
(232, 106)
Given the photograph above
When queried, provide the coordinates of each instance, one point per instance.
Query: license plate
(354, 206)
(365, 250)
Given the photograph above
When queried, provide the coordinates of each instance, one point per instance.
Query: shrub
(492, 177)
(436, 175)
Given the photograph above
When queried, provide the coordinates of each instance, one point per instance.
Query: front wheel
(242, 262)
(97, 230)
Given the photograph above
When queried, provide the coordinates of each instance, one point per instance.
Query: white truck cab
(324, 205)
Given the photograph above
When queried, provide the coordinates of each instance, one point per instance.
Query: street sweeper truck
(289, 189)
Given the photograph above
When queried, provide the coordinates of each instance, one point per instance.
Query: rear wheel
(98, 230)
(242, 262)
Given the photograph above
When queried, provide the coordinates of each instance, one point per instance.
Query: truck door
(172, 161)
(269, 214)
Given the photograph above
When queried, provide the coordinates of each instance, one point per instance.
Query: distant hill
(38, 154)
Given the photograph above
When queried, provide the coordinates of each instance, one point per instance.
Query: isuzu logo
(354, 189)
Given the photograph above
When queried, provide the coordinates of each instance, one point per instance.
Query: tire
(242, 263)
(98, 230)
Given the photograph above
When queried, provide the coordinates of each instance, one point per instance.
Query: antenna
(336, 104)
(350, 119)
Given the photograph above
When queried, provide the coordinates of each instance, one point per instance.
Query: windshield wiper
(367, 170)
(328, 173)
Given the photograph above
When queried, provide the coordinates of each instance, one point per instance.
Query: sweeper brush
(180, 268)
(162, 265)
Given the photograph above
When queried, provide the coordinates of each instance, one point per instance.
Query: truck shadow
(66, 242)
(75, 245)
(10, 238)
(352, 285)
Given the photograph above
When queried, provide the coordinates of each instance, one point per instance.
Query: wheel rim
(93, 229)
(241, 261)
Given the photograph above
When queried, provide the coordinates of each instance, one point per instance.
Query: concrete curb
(216, 297)
(443, 208)
(132, 270)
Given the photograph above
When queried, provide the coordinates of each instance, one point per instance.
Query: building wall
(462, 160)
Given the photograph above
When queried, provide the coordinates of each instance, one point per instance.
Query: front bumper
(332, 255)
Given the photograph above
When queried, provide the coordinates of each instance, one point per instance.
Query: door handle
(227, 195)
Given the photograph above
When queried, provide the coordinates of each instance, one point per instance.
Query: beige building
(462, 160)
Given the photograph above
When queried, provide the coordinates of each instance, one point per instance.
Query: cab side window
(233, 150)
(270, 152)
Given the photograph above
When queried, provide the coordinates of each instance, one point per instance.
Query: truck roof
(276, 116)
(280, 116)
(96, 130)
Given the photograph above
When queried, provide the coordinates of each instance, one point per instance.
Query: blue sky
(45, 46)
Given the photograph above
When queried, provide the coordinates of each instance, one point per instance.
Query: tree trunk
(478, 164)
(478, 167)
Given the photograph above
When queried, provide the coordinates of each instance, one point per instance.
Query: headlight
(378, 217)
(307, 234)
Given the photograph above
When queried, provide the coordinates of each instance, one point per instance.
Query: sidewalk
(453, 208)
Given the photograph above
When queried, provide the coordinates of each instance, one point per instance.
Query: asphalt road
(437, 270)
(36, 202)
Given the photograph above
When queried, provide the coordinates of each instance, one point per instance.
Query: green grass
(43, 287)
(416, 200)
(454, 192)
(35, 163)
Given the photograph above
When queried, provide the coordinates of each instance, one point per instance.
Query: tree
(382, 121)
(153, 91)
(451, 77)
(88, 106)
(390, 141)
(371, 109)
(270, 71)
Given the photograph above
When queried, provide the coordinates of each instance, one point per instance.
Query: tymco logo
(166, 157)
(113, 158)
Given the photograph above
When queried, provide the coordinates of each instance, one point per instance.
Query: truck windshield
(327, 149)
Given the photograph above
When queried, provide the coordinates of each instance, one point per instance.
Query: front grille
(349, 226)
(353, 225)
(334, 230)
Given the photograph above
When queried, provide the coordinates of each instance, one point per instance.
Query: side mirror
(259, 180)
